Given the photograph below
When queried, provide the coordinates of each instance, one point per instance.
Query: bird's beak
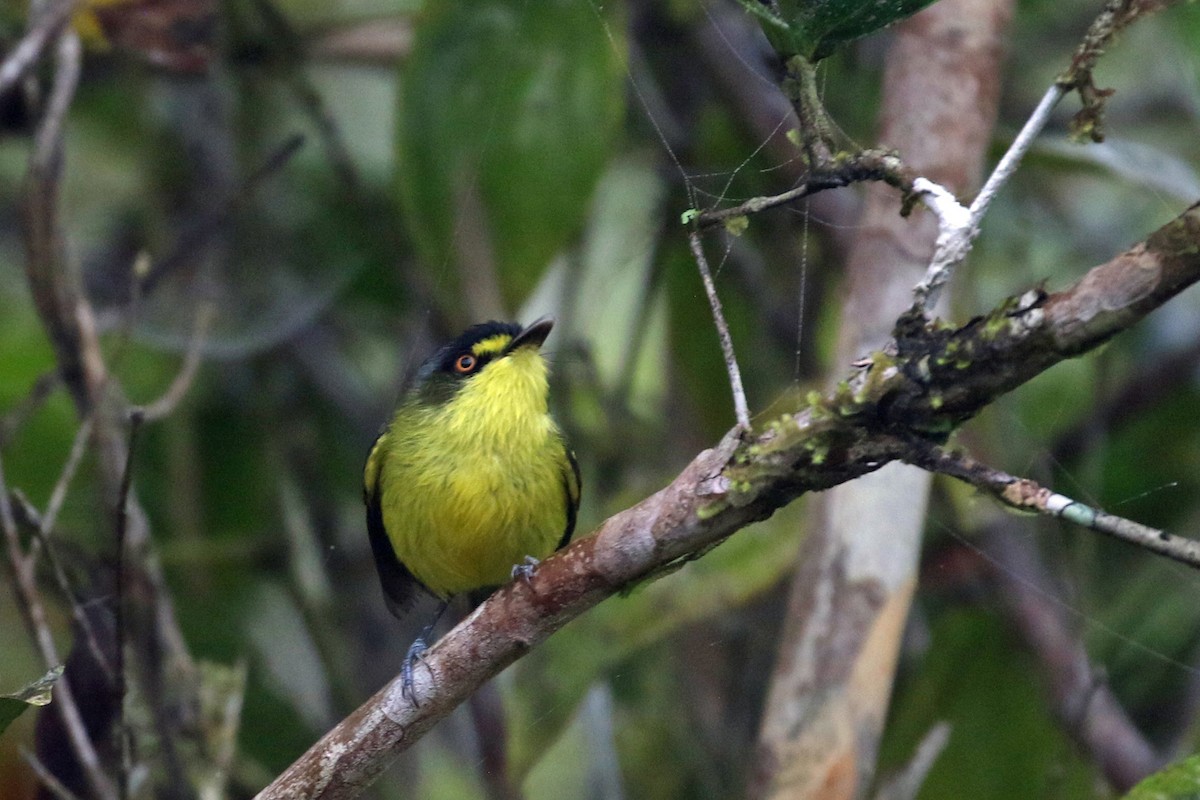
(533, 335)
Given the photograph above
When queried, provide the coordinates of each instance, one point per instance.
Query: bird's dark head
(474, 359)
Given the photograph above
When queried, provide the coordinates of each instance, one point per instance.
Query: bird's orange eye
(465, 364)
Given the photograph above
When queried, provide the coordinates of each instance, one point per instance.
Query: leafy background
(508, 158)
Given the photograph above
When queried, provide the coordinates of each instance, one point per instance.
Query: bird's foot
(525, 568)
(414, 656)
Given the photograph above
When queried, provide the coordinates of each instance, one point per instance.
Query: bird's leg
(416, 654)
(525, 568)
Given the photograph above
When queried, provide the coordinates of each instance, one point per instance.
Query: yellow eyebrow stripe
(491, 345)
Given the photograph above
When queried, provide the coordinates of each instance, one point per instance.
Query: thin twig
(1012, 157)
(955, 243)
(1112, 19)
(1023, 494)
(52, 784)
(185, 247)
(30, 603)
(59, 495)
(907, 783)
(284, 35)
(958, 226)
(43, 28)
(135, 424)
(42, 525)
(41, 542)
(165, 404)
(64, 312)
(870, 165)
(754, 205)
(60, 310)
(77, 613)
(15, 419)
(740, 409)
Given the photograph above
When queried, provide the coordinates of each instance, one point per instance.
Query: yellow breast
(470, 488)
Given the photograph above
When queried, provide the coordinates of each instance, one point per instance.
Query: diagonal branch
(934, 379)
(1023, 494)
(958, 231)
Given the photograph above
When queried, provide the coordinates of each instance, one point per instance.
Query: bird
(471, 483)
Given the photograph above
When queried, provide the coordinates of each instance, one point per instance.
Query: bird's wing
(399, 585)
(571, 492)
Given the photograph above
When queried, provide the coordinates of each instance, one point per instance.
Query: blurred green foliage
(507, 115)
(512, 158)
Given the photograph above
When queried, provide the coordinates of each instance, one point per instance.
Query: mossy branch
(930, 380)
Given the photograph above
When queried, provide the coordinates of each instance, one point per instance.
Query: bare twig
(122, 515)
(1023, 494)
(67, 316)
(957, 226)
(1012, 157)
(52, 784)
(77, 611)
(907, 783)
(853, 583)
(67, 321)
(59, 494)
(31, 518)
(869, 165)
(43, 28)
(291, 46)
(56, 294)
(41, 543)
(34, 613)
(740, 409)
(202, 230)
(164, 405)
(958, 233)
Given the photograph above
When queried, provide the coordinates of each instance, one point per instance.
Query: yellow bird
(471, 483)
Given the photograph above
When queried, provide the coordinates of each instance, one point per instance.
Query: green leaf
(35, 694)
(508, 113)
(1179, 781)
(816, 28)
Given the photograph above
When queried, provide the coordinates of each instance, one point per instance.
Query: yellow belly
(460, 513)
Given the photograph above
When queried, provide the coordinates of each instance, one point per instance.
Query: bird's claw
(525, 569)
(414, 656)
